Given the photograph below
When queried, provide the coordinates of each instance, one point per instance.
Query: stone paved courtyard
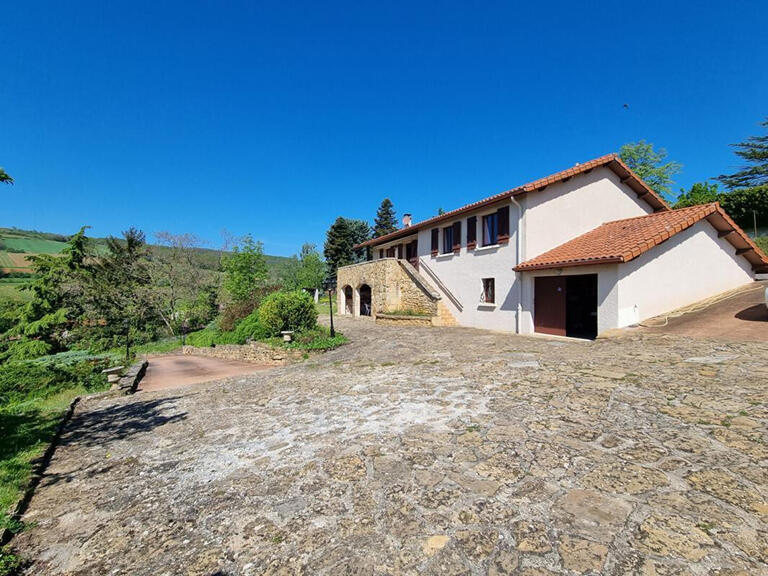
(425, 451)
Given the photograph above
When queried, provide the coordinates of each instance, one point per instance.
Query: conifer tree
(386, 221)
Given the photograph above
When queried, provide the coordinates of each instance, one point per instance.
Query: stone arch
(365, 299)
(348, 300)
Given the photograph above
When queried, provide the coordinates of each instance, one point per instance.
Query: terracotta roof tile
(624, 240)
(611, 160)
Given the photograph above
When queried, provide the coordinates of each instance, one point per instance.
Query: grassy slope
(33, 242)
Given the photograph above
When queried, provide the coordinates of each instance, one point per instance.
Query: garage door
(566, 305)
(549, 305)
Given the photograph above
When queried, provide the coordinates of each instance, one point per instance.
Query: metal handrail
(443, 288)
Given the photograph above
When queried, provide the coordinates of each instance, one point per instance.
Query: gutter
(519, 242)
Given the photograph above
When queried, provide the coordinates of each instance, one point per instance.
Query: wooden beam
(726, 233)
(741, 251)
(627, 179)
(643, 193)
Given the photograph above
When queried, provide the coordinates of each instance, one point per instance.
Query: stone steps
(444, 316)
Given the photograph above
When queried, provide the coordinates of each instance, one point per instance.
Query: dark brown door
(549, 305)
(412, 253)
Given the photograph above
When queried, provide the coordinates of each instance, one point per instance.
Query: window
(489, 291)
(447, 239)
(381, 253)
(435, 241)
(491, 229)
(471, 232)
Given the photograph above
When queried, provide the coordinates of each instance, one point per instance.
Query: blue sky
(276, 117)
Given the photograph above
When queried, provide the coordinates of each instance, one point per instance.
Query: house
(576, 253)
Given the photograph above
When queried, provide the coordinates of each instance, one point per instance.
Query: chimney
(406, 220)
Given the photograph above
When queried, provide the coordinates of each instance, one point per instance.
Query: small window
(447, 239)
(489, 291)
(490, 229)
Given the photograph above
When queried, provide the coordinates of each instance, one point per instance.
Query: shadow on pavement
(756, 313)
(120, 421)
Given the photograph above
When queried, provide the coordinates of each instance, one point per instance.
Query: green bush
(762, 242)
(10, 564)
(250, 328)
(211, 336)
(288, 311)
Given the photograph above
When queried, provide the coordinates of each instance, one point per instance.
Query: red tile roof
(611, 161)
(624, 240)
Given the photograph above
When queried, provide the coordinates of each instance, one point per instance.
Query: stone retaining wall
(130, 380)
(404, 320)
(256, 353)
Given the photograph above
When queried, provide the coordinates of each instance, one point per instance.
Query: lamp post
(127, 328)
(329, 287)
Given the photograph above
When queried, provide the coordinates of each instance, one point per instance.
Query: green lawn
(25, 432)
(322, 306)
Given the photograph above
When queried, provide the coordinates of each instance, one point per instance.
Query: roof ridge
(713, 205)
(531, 186)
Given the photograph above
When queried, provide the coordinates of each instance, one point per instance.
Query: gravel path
(425, 451)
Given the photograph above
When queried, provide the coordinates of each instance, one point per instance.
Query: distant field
(10, 289)
(32, 245)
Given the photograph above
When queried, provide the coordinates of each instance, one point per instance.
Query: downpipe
(519, 240)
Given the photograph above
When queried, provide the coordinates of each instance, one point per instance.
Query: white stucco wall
(607, 294)
(462, 273)
(565, 210)
(691, 266)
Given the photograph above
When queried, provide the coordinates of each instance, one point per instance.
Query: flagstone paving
(425, 451)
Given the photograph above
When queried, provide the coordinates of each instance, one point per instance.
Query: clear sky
(276, 117)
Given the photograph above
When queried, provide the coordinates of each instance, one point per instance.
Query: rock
(674, 536)
(581, 555)
(435, 543)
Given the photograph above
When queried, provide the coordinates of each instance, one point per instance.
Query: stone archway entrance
(365, 300)
(348, 300)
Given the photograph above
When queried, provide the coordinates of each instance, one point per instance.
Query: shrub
(211, 336)
(288, 311)
(250, 328)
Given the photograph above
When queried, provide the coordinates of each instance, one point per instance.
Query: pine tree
(747, 199)
(755, 151)
(5, 177)
(340, 241)
(386, 221)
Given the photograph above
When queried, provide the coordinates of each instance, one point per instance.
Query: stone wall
(255, 352)
(403, 320)
(395, 285)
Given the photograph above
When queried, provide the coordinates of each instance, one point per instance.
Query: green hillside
(16, 244)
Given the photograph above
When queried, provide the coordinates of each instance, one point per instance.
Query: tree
(307, 270)
(245, 271)
(649, 165)
(341, 239)
(755, 175)
(117, 290)
(386, 221)
(747, 199)
(5, 177)
(700, 193)
(181, 287)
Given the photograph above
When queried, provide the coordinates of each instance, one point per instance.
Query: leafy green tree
(307, 270)
(650, 165)
(700, 193)
(386, 221)
(245, 271)
(5, 177)
(181, 285)
(341, 239)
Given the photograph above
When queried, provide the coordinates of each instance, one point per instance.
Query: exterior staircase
(444, 316)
